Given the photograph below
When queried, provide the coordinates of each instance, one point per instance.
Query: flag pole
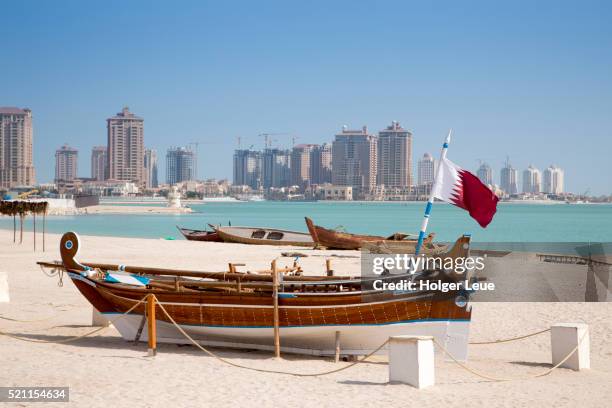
(432, 194)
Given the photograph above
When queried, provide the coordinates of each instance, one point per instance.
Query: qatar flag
(463, 189)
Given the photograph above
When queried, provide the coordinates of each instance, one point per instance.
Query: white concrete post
(411, 360)
(4, 288)
(98, 319)
(565, 337)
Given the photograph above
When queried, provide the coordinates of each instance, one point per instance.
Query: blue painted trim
(313, 325)
(428, 208)
(445, 145)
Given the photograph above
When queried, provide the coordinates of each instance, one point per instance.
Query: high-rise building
(300, 164)
(66, 160)
(426, 170)
(180, 165)
(276, 169)
(532, 179)
(395, 157)
(99, 163)
(508, 178)
(150, 163)
(16, 166)
(248, 168)
(485, 174)
(126, 147)
(321, 164)
(354, 160)
(553, 180)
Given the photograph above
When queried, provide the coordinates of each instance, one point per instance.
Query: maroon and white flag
(463, 189)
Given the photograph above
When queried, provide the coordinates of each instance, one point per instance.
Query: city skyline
(528, 84)
(392, 146)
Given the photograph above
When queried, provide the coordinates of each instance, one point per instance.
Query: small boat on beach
(245, 309)
(332, 239)
(263, 236)
(199, 235)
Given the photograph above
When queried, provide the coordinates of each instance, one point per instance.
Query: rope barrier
(510, 339)
(13, 336)
(497, 379)
(261, 370)
(10, 319)
(336, 370)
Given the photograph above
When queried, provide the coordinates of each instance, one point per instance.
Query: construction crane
(268, 141)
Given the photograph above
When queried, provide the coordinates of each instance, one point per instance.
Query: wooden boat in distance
(263, 236)
(331, 239)
(199, 235)
(237, 309)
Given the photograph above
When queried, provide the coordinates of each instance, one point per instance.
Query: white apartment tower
(395, 156)
(99, 163)
(508, 179)
(553, 180)
(66, 160)
(485, 174)
(532, 180)
(426, 170)
(16, 166)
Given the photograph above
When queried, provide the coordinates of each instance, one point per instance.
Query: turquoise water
(513, 222)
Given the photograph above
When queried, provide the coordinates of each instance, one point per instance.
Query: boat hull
(311, 340)
(289, 238)
(308, 323)
(198, 235)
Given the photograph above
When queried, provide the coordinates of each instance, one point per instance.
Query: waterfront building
(321, 164)
(508, 179)
(66, 163)
(395, 156)
(532, 179)
(553, 180)
(354, 160)
(180, 165)
(485, 174)
(426, 170)
(300, 165)
(150, 163)
(247, 169)
(16, 165)
(276, 171)
(99, 163)
(126, 147)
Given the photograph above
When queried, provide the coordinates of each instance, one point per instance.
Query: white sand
(107, 371)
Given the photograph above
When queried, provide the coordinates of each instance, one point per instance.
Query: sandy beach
(105, 369)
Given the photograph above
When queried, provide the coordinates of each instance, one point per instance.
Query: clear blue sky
(532, 80)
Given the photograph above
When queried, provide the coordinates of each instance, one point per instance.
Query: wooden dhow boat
(332, 239)
(234, 309)
(199, 235)
(263, 236)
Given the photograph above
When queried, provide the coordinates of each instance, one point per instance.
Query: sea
(514, 222)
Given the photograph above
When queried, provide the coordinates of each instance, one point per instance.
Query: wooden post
(276, 317)
(44, 222)
(337, 357)
(328, 268)
(152, 332)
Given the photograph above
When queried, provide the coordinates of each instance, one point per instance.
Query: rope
(261, 370)
(13, 336)
(10, 319)
(497, 379)
(510, 339)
